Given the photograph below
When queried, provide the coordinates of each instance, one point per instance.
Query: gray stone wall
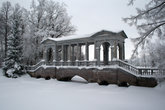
(103, 76)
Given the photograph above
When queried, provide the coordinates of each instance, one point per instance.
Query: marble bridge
(66, 57)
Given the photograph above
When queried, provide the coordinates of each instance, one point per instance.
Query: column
(65, 54)
(123, 52)
(73, 53)
(62, 53)
(106, 53)
(55, 55)
(69, 53)
(45, 54)
(115, 50)
(112, 48)
(86, 52)
(98, 55)
(77, 55)
(78, 52)
(95, 50)
(95, 53)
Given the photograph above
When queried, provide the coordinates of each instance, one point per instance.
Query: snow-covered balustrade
(126, 66)
(154, 72)
(151, 71)
(147, 72)
(33, 67)
(74, 63)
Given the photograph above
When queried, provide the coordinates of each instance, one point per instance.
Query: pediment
(48, 41)
(109, 33)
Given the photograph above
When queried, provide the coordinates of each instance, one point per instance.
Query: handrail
(33, 67)
(141, 71)
(128, 67)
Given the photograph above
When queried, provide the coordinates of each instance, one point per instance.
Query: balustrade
(128, 67)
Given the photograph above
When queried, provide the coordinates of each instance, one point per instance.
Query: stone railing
(139, 70)
(74, 63)
(151, 71)
(33, 67)
(124, 65)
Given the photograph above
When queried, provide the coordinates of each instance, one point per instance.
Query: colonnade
(68, 51)
(71, 53)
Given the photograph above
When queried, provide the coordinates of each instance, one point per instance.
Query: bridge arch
(79, 78)
(71, 77)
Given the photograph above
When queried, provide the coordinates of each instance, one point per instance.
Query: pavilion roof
(73, 37)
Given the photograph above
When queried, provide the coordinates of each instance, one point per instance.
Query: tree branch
(144, 12)
(144, 37)
(150, 24)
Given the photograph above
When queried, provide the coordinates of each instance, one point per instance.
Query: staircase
(140, 71)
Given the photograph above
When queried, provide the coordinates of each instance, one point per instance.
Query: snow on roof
(73, 37)
(68, 37)
(76, 36)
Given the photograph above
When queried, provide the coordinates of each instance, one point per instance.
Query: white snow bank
(26, 93)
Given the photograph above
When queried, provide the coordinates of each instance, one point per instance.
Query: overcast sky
(90, 16)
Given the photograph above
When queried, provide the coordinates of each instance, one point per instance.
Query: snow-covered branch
(144, 12)
(150, 22)
(142, 38)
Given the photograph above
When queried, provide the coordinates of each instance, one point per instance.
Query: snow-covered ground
(28, 93)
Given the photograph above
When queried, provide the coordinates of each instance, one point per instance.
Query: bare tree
(57, 20)
(50, 19)
(47, 19)
(149, 21)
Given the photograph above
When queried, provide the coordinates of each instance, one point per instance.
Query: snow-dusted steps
(118, 72)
